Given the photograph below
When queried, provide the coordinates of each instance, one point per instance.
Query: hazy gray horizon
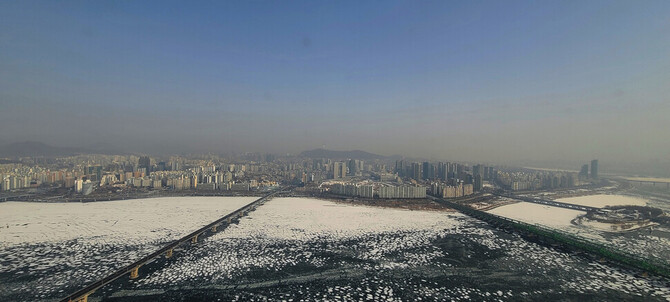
(524, 82)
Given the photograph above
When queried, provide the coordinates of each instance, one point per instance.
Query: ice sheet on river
(49, 249)
(306, 249)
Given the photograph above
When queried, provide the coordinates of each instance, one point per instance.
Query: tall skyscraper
(451, 172)
(460, 171)
(584, 173)
(145, 162)
(478, 182)
(339, 170)
(353, 167)
(428, 171)
(400, 168)
(442, 171)
(477, 170)
(94, 172)
(493, 174)
(416, 171)
(594, 169)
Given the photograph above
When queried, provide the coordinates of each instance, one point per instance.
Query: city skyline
(12, 152)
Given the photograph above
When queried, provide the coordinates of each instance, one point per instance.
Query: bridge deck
(547, 202)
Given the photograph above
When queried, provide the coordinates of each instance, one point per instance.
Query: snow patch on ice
(603, 200)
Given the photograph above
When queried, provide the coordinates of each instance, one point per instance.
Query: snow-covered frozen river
(314, 250)
(49, 249)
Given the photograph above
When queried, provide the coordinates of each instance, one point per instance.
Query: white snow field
(303, 221)
(641, 242)
(306, 219)
(534, 213)
(59, 247)
(111, 221)
(603, 200)
(315, 250)
(318, 250)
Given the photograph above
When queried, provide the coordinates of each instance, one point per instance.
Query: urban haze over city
(334, 151)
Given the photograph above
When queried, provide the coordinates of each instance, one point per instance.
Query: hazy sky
(465, 80)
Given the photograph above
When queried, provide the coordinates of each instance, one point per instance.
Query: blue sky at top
(259, 73)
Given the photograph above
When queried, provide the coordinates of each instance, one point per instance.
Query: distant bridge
(21, 197)
(653, 265)
(652, 182)
(547, 202)
(133, 269)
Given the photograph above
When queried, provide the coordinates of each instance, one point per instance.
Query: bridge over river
(133, 269)
(548, 202)
(655, 266)
(17, 197)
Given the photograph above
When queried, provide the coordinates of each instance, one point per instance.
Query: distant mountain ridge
(354, 154)
(33, 149)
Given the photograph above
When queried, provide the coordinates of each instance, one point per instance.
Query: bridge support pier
(168, 254)
(194, 239)
(83, 298)
(135, 272)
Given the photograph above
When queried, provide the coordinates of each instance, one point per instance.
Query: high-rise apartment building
(584, 173)
(478, 182)
(428, 171)
(145, 162)
(400, 168)
(416, 171)
(339, 170)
